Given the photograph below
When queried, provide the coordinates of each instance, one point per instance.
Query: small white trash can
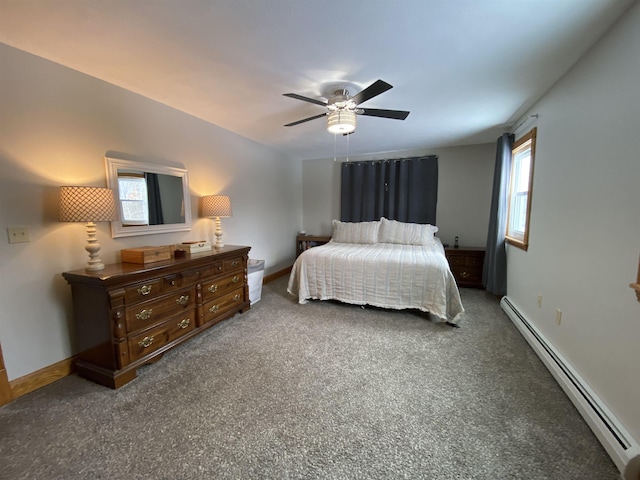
(255, 273)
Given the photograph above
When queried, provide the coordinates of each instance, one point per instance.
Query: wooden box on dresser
(128, 315)
(466, 265)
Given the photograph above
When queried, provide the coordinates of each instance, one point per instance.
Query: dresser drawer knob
(234, 263)
(144, 314)
(146, 342)
(145, 289)
(214, 309)
(184, 323)
(464, 274)
(183, 300)
(235, 279)
(236, 297)
(213, 288)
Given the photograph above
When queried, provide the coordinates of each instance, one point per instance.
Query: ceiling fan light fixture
(341, 122)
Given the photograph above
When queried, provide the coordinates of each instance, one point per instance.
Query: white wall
(465, 176)
(585, 228)
(56, 126)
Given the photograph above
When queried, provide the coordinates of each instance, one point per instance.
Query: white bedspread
(381, 274)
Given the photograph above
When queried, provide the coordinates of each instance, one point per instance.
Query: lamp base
(218, 234)
(93, 247)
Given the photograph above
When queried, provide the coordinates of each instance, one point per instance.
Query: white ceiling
(466, 69)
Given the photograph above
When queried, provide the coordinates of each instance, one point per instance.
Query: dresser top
(115, 271)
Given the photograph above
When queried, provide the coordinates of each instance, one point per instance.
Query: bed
(385, 264)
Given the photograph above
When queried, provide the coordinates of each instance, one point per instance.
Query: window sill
(517, 243)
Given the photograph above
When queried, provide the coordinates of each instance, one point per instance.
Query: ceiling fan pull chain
(335, 146)
(348, 147)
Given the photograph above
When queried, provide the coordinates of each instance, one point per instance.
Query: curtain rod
(526, 118)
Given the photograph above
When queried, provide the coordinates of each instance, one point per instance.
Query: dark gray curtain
(400, 189)
(494, 275)
(155, 202)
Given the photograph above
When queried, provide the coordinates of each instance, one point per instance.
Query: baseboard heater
(618, 443)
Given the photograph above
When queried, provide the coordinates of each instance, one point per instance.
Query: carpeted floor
(323, 390)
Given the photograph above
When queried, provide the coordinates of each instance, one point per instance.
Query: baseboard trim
(618, 443)
(40, 378)
(274, 276)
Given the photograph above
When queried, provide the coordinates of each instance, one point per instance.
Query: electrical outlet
(18, 234)
(558, 316)
(539, 300)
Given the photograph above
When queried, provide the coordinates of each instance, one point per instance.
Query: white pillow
(356, 232)
(392, 231)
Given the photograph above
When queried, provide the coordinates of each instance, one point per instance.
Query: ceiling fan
(342, 108)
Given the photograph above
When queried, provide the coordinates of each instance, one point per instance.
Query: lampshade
(341, 121)
(216, 206)
(87, 204)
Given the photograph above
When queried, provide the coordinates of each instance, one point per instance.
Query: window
(133, 199)
(520, 184)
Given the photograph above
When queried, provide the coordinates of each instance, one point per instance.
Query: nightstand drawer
(467, 275)
(456, 260)
(466, 265)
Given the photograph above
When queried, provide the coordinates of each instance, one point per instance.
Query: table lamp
(217, 206)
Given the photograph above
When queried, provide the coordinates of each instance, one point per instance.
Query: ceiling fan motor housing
(341, 100)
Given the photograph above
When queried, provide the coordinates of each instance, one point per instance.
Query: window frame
(527, 141)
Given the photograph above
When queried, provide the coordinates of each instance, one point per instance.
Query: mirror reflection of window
(133, 199)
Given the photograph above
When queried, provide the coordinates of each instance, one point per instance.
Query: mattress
(386, 275)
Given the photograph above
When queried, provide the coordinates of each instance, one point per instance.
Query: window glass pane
(524, 163)
(133, 200)
(519, 208)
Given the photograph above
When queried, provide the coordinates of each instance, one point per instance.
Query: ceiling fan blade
(306, 119)
(376, 112)
(373, 90)
(305, 99)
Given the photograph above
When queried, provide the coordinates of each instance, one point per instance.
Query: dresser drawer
(233, 265)
(146, 314)
(143, 291)
(219, 286)
(180, 280)
(218, 306)
(151, 340)
(211, 270)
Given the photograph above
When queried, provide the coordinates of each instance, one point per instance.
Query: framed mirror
(151, 198)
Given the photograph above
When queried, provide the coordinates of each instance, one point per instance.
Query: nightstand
(466, 264)
(304, 242)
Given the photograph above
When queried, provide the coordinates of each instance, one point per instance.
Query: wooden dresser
(128, 315)
(466, 264)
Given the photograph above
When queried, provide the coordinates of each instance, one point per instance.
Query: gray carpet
(323, 390)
